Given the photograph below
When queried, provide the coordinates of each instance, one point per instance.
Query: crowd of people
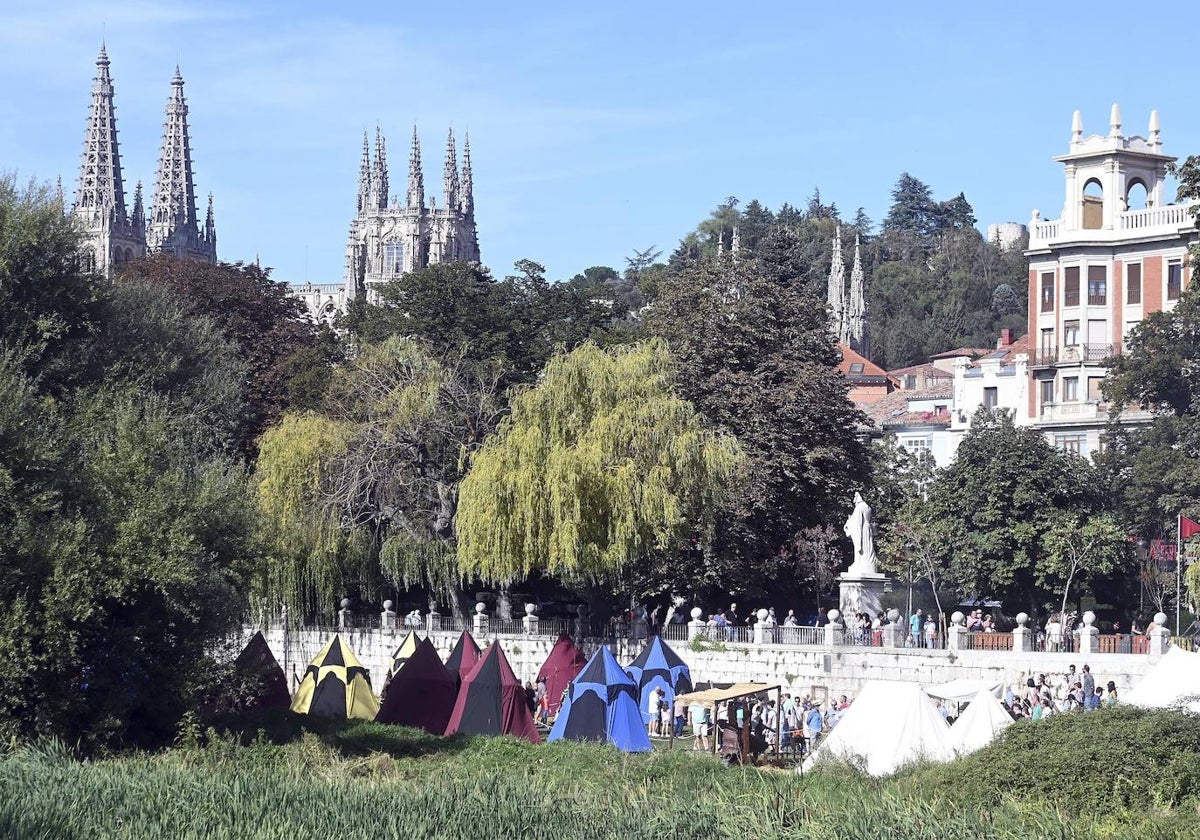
(1045, 695)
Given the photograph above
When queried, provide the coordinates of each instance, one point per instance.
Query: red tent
(492, 701)
(421, 694)
(463, 658)
(562, 665)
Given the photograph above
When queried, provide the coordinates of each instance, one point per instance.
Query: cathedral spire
(856, 315)
(837, 288)
(100, 189)
(450, 178)
(210, 225)
(174, 224)
(364, 176)
(416, 178)
(468, 185)
(379, 177)
(138, 219)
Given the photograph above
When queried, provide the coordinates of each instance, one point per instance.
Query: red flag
(1188, 528)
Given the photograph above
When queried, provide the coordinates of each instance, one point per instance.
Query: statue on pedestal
(860, 529)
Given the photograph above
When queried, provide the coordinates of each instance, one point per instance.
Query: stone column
(1022, 635)
(760, 628)
(433, 621)
(1089, 636)
(530, 620)
(345, 615)
(956, 631)
(893, 634)
(387, 618)
(480, 621)
(1160, 636)
(833, 629)
(696, 626)
(581, 622)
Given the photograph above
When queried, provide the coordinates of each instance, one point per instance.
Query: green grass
(299, 778)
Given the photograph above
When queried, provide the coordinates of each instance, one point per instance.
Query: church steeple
(468, 185)
(138, 219)
(450, 176)
(856, 320)
(379, 175)
(364, 176)
(415, 198)
(100, 189)
(836, 295)
(210, 225)
(174, 224)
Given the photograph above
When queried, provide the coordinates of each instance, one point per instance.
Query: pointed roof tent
(983, 720)
(463, 658)
(1174, 681)
(602, 706)
(258, 672)
(336, 685)
(421, 693)
(561, 666)
(659, 665)
(406, 649)
(889, 725)
(492, 701)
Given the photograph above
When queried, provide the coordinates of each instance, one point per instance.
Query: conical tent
(336, 685)
(407, 648)
(463, 658)
(979, 724)
(602, 706)
(659, 665)
(421, 694)
(492, 701)
(259, 673)
(562, 665)
(888, 725)
(1174, 681)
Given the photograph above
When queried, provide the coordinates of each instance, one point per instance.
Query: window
(989, 398)
(1076, 444)
(856, 367)
(393, 257)
(1174, 280)
(1047, 394)
(1048, 352)
(1048, 292)
(1097, 285)
(1071, 389)
(1070, 333)
(916, 446)
(1071, 286)
(1094, 393)
(1133, 284)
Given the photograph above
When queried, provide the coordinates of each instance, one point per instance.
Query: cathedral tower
(856, 311)
(836, 295)
(389, 238)
(110, 235)
(174, 226)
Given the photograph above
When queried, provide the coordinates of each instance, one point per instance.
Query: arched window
(1135, 195)
(393, 257)
(1093, 205)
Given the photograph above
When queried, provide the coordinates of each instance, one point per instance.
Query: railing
(1100, 352)
(987, 641)
(1097, 300)
(1171, 215)
(1044, 230)
(1124, 643)
(862, 637)
(1045, 358)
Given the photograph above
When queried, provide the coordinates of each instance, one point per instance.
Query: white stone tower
(111, 235)
(836, 296)
(388, 239)
(174, 226)
(856, 311)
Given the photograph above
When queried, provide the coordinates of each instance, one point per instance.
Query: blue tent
(601, 705)
(658, 665)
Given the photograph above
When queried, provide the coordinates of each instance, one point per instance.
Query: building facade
(1118, 253)
(390, 237)
(113, 234)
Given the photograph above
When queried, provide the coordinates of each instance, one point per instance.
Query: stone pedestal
(697, 626)
(1022, 635)
(1089, 636)
(861, 593)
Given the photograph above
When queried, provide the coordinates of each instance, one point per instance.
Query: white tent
(1174, 680)
(964, 691)
(979, 725)
(888, 725)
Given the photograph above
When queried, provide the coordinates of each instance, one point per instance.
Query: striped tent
(336, 685)
(463, 658)
(407, 648)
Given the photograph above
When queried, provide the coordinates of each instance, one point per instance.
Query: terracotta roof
(850, 357)
(925, 368)
(893, 410)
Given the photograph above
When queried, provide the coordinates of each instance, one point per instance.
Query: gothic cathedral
(389, 237)
(113, 235)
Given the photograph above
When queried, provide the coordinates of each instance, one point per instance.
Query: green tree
(1081, 547)
(598, 466)
(913, 209)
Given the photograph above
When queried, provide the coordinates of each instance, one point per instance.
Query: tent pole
(778, 717)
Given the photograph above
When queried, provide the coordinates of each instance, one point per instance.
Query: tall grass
(359, 779)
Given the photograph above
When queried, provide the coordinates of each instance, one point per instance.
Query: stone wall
(803, 669)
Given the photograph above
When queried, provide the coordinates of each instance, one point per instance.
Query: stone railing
(1040, 231)
(1171, 215)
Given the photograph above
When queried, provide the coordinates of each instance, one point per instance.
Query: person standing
(814, 725)
(699, 715)
(1088, 682)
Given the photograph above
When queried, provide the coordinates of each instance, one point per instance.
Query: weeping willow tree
(364, 495)
(597, 466)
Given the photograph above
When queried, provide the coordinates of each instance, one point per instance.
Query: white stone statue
(860, 529)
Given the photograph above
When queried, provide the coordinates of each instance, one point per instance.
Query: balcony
(1072, 411)
(1167, 221)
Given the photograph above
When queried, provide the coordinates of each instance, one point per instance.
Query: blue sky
(596, 129)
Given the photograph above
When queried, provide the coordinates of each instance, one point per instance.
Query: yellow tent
(407, 648)
(336, 685)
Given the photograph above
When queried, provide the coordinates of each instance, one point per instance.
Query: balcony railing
(1171, 215)
(1046, 357)
(1100, 352)
(1097, 300)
